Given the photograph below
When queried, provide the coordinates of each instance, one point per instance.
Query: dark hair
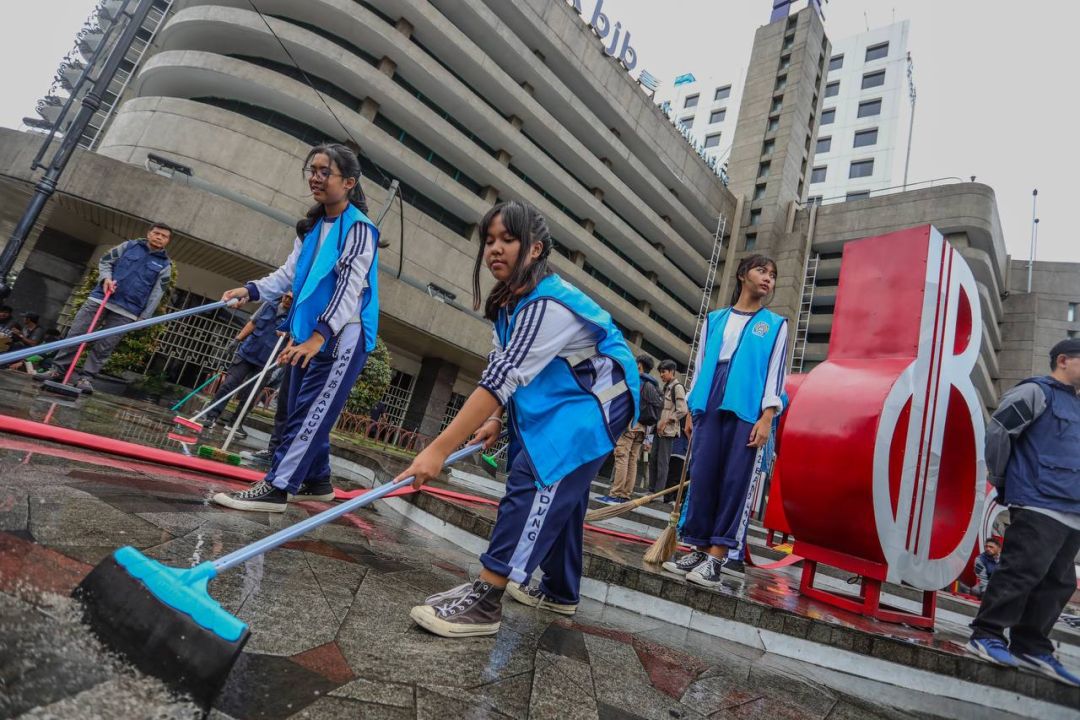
(1069, 347)
(525, 224)
(32, 316)
(993, 540)
(349, 167)
(5, 308)
(161, 226)
(749, 263)
(645, 362)
(668, 365)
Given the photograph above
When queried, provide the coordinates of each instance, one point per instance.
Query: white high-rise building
(865, 121)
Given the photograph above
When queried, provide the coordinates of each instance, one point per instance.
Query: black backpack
(652, 404)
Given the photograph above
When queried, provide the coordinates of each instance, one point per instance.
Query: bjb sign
(601, 25)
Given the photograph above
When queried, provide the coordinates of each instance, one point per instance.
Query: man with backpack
(667, 427)
(628, 448)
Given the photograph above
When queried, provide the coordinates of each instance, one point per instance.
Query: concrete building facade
(464, 102)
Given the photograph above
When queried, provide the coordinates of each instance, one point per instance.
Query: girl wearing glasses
(332, 273)
(565, 383)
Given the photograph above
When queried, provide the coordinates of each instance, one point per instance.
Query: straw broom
(664, 546)
(611, 511)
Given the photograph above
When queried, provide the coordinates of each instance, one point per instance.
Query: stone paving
(331, 635)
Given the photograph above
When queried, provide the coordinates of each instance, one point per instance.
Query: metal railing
(381, 432)
(878, 192)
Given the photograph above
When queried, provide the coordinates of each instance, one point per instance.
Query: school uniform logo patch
(761, 328)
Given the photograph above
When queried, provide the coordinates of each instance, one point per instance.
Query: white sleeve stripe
(519, 344)
(359, 242)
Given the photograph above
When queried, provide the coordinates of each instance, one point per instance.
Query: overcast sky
(996, 95)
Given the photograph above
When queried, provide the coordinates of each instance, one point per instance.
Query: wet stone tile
(379, 693)
(564, 641)
(264, 686)
(336, 708)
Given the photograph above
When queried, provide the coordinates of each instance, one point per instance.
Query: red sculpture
(882, 448)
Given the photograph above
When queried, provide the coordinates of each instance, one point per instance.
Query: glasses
(322, 173)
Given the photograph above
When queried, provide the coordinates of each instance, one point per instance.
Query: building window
(687, 122)
(767, 147)
(1073, 314)
(777, 104)
(863, 195)
(759, 191)
(827, 116)
(836, 62)
(691, 101)
(865, 137)
(750, 242)
(722, 93)
(1073, 334)
(781, 82)
(712, 141)
(870, 108)
(717, 115)
(785, 62)
(813, 200)
(817, 175)
(763, 170)
(832, 89)
(823, 145)
(774, 123)
(861, 168)
(789, 42)
(876, 52)
(873, 80)
(755, 217)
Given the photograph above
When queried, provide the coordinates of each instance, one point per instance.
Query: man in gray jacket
(1033, 457)
(137, 274)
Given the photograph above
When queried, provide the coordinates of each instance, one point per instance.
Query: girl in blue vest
(332, 273)
(564, 383)
(736, 394)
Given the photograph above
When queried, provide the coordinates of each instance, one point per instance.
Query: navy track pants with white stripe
(316, 397)
(721, 468)
(545, 528)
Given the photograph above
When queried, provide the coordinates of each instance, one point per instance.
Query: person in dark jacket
(985, 565)
(256, 342)
(137, 273)
(1033, 457)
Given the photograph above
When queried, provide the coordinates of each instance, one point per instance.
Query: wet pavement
(331, 636)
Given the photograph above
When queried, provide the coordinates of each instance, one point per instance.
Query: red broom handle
(82, 346)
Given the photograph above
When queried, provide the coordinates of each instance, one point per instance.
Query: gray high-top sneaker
(533, 596)
(477, 611)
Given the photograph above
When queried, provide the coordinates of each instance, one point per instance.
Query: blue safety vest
(257, 346)
(1044, 466)
(136, 272)
(316, 279)
(559, 424)
(749, 368)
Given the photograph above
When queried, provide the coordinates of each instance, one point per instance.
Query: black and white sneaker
(735, 568)
(707, 574)
(686, 563)
(537, 598)
(260, 497)
(321, 491)
(462, 612)
(50, 374)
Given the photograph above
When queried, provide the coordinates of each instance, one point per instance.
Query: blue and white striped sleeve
(542, 330)
(279, 282)
(774, 383)
(352, 275)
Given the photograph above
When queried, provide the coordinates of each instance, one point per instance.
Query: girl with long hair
(563, 381)
(736, 394)
(332, 273)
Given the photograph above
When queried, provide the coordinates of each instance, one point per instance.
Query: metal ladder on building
(706, 294)
(802, 326)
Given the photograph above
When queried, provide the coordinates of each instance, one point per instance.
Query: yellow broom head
(663, 548)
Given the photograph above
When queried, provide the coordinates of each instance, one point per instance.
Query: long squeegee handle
(110, 332)
(294, 531)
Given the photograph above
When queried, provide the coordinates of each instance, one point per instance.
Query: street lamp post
(46, 186)
(1034, 234)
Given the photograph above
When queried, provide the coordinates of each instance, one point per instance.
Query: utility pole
(911, 122)
(46, 186)
(1034, 233)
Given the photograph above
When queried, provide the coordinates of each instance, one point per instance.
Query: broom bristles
(663, 547)
(622, 508)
